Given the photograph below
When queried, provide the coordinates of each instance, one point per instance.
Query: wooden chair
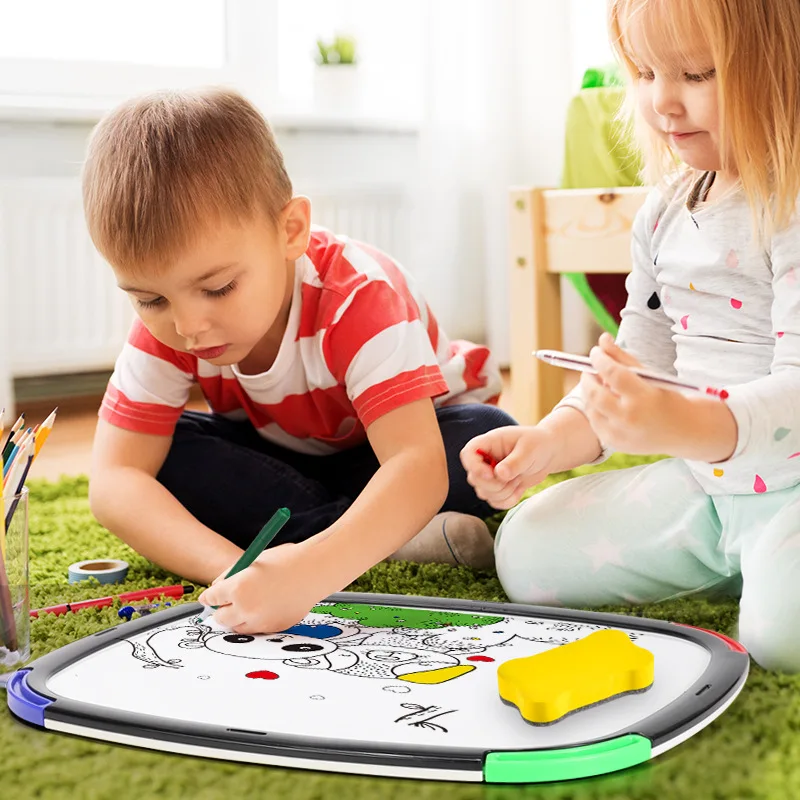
(553, 231)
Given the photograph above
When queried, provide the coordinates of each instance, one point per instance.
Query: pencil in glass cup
(583, 364)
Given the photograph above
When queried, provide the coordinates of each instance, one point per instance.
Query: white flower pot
(337, 88)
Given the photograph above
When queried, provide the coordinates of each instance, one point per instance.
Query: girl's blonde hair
(755, 46)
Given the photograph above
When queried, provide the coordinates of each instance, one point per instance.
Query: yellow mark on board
(437, 675)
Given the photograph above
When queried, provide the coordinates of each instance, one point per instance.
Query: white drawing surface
(363, 672)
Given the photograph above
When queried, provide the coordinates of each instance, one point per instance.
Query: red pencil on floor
(125, 597)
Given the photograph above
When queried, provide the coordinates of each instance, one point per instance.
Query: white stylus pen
(583, 364)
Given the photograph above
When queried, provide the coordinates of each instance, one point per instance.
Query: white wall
(539, 64)
(40, 149)
(543, 61)
(588, 37)
(543, 89)
(312, 156)
(317, 160)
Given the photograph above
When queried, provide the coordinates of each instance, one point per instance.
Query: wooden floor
(69, 446)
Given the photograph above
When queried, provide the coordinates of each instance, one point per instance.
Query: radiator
(62, 309)
(377, 216)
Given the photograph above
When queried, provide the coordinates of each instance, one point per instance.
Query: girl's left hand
(627, 412)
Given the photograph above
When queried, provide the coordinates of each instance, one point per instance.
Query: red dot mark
(779, 334)
(480, 658)
(759, 486)
(685, 322)
(263, 674)
(737, 304)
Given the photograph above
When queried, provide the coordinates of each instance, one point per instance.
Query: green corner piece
(567, 763)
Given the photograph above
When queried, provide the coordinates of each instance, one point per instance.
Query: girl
(714, 297)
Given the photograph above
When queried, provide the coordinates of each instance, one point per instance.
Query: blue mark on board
(314, 631)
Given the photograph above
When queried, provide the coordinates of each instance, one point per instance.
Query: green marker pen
(257, 546)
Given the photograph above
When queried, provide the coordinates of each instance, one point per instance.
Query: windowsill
(88, 110)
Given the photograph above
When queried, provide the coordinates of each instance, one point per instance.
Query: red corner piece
(732, 643)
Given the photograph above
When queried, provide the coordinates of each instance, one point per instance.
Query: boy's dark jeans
(233, 480)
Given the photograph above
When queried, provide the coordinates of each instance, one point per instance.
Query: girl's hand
(523, 455)
(627, 412)
(275, 592)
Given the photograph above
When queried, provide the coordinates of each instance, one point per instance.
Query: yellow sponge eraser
(547, 686)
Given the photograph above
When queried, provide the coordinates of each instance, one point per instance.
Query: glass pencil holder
(15, 624)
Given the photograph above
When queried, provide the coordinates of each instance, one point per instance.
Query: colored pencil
(16, 457)
(488, 458)
(3, 577)
(12, 441)
(16, 452)
(44, 431)
(583, 364)
(178, 590)
(2, 504)
(8, 628)
(12, 480)
(17, 480)
(12, 430)
(257, 546)
(28, 444)
(8, 461)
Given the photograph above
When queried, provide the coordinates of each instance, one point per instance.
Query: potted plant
(336, 77)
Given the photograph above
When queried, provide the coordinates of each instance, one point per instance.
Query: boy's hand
(272, 594)
(627, 412)
(524, 455)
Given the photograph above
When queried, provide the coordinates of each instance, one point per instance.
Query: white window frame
(250, 64)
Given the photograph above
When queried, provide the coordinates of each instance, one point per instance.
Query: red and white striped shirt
(360, 342)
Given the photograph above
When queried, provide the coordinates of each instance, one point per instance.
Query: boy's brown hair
(160, 168)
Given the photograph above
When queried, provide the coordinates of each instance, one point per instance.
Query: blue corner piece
(23, 701)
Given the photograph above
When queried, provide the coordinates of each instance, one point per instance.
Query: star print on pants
(603, 552)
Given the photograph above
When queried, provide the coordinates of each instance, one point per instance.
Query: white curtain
(497, 82)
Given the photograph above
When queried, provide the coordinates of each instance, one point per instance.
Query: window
(589, 37)
(104, 50)
(391, 55)
(98, 48)
(179, 33)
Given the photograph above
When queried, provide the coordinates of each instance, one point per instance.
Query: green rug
(752, 751)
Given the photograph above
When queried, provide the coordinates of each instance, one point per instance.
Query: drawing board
(369, 684)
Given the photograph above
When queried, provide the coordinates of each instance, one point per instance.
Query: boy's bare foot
(450, 538)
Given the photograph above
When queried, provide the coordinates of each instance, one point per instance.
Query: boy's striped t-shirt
(360, 342)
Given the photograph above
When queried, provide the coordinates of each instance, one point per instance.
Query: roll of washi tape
(104, 570)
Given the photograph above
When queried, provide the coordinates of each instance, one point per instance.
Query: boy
(317, 356)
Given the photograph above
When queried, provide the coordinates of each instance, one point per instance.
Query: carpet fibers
(751, 751)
